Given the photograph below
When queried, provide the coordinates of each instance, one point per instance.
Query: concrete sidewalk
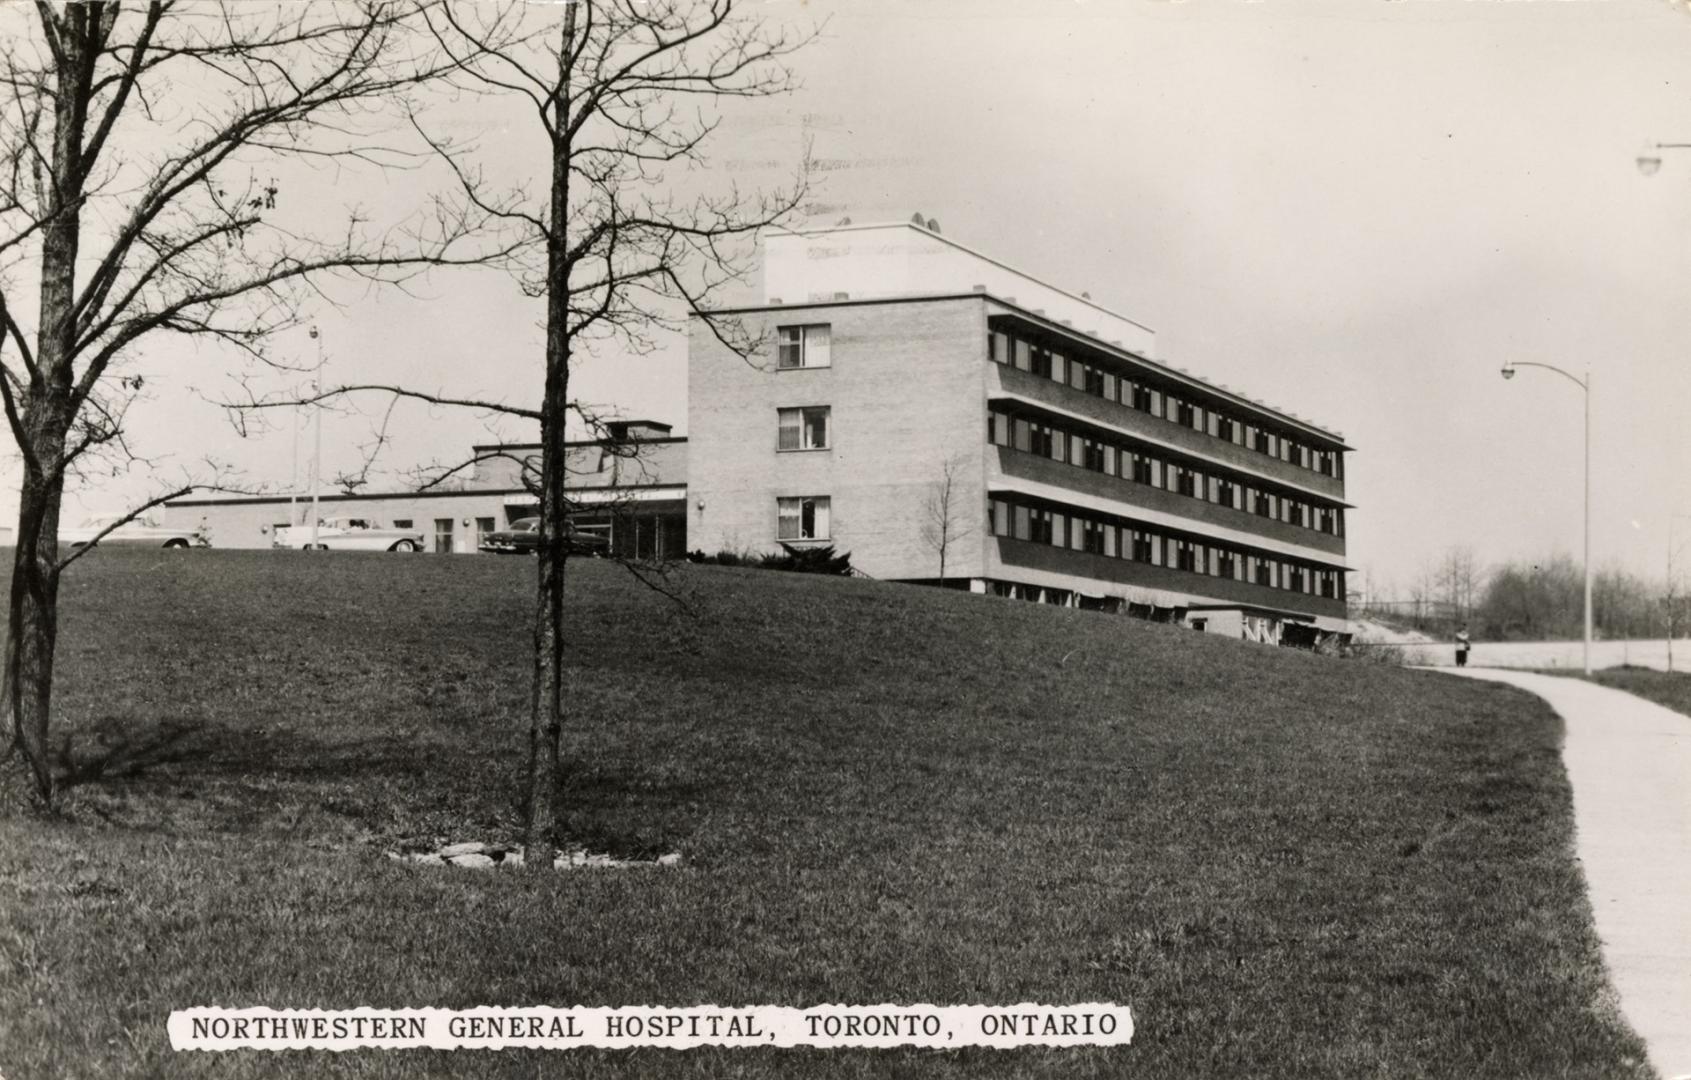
(1629, 761)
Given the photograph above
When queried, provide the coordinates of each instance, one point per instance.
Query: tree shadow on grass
(124, 752)
(118, 750)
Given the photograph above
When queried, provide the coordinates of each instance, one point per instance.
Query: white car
(347, 534)
(141, 532)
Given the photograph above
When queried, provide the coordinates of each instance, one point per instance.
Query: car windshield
(526, 525)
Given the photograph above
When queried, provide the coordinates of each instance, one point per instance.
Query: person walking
(1463, 643)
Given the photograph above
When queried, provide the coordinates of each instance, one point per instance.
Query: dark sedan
(523, 538)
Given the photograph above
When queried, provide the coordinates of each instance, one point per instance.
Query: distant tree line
(1531, 601)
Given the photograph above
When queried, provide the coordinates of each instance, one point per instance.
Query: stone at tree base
(471, 848)
(474, 859)
(672, 859)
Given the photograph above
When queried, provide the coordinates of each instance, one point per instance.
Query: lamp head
(1509, 369)
(1649, 161)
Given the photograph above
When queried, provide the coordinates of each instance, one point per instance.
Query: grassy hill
(1289, 866)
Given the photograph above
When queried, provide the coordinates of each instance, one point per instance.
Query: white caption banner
(488, 1028)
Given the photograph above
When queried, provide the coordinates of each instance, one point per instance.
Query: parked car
(523, 538)
(347, 534)
(141, 532)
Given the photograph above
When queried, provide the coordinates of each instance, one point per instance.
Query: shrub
(809, 560)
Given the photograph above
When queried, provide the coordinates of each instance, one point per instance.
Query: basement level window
(802, 518)
(804, 346)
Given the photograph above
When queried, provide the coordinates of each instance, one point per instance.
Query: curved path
(1629, 761)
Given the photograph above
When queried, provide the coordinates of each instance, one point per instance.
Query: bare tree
(945, 517)
(1458, 579)
(623, 94)
(137, 197)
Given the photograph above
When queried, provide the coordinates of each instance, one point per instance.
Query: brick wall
(906, 391)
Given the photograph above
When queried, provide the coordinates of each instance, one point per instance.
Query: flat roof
(966, 249)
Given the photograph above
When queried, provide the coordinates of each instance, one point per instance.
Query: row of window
(1030, 356)
(1081, 531)
(1136, 464)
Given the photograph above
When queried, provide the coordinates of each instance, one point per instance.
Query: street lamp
(1650, 159)
(1585, 387)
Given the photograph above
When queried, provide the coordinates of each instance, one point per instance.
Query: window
(1139, 547)
(1041, 363)
(1141, 469)
(802, 518)
(1092, 537)
(1223, 491)
(1041, 440)
(1092, 456)
(804, 347)
(1000, 347)
(1024, 356)
(1185, 481)
(402, 523)
(484, 526)
(998, 429)
(1041, 528)
(802, 429)
(1184, 557)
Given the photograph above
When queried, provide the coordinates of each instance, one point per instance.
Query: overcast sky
(1358, 210)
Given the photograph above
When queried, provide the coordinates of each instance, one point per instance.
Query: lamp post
(1585, 388)
(1649, 162)
(317, 437)
(1650, 158)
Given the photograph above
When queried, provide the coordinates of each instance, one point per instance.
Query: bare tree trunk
(33, 627)
(544, 780)
(47, 411)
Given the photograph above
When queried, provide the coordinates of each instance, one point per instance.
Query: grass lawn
(1289, 866)
(1672, 689)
